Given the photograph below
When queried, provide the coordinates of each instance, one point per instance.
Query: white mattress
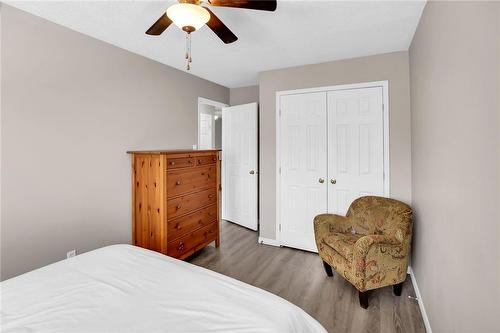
(123, 288)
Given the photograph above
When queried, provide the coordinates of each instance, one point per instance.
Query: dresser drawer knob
(180, 247)
(178, 206)
(210, 196)
(199, 161)
(177, 226)
(172, 163)
(190, 161)
(178, 182)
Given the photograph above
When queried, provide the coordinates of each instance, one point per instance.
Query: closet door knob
(252, 172)
(321, 180)
(333, 181)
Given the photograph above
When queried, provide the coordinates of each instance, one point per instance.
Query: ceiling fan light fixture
(188, 17)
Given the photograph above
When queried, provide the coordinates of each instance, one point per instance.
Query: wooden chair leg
(363, 299)
(398, 288)
(328, 269)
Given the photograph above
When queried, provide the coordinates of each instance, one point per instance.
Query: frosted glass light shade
(188, 15)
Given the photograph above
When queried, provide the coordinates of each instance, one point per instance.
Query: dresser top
(173, 151)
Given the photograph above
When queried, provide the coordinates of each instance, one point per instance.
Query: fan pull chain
(188, 51)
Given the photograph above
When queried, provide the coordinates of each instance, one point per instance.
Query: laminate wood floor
(298, 276)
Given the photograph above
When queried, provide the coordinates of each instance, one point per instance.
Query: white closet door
(355, 146)
(303, 155)
(239, 165)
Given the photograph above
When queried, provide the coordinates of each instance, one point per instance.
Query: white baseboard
(268, 241)
(420, 301)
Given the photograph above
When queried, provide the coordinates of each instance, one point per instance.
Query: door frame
(205, 101)
(385, 114)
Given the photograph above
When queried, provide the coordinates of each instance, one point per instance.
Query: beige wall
(243, 95)
(71, 107)
(455, 73)
(392, 67)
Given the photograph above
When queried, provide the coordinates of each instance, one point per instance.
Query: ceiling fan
(191, 15)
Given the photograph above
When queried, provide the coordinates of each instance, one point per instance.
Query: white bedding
(123, 288)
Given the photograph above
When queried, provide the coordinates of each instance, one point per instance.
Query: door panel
(355, 146)
(303, 151)
(206, 131)
(239, 165)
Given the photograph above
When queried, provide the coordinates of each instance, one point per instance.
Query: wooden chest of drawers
(175, 200)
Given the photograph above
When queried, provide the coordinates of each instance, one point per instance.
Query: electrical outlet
(70, 254)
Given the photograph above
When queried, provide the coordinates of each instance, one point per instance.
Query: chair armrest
(363, 246)
(374, 255)
(328, 223)
(365, 242)
(367, 247)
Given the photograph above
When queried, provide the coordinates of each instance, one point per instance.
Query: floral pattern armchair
(370, 246)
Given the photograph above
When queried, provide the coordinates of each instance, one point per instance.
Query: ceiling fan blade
(220, 29)
(269, 5)
(159, 26)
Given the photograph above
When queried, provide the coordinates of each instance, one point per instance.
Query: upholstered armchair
(370, 246)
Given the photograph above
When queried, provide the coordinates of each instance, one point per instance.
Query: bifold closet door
(303, 161)
(355, 146)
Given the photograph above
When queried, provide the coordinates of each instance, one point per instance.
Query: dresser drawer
(181, 162)
(186, 224)
(204, 160)
(186, 245)
(189, 180)
(189, 202)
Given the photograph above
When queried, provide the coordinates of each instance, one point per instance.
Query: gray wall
(71, 107)
(244, 95)
(393, 67)
(455, 73)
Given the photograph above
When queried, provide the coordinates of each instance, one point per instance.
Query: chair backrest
(371, 215)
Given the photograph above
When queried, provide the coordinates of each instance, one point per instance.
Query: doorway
(234, 130)
(209, 124)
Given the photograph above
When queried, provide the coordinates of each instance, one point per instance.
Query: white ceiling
(298, 33)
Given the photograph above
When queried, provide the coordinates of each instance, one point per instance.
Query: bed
(123, 288)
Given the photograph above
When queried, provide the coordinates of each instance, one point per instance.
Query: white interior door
(206, 131)
(303, 161)
(355, 146)
(239, 165)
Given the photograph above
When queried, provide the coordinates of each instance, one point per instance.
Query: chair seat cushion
(343, 243)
